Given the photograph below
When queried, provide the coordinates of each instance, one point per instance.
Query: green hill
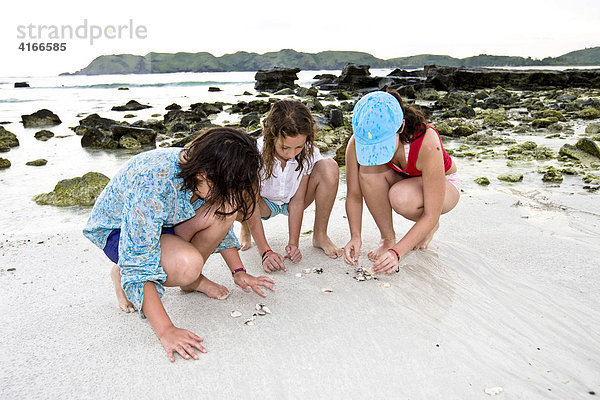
(245, 61)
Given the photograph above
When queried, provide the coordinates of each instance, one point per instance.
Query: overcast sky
(386, 29)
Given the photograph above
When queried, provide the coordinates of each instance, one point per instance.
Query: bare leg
(322, 189)
(406, 198)
(124, 304)
(245, 237)
(375, 183)
(205, 232)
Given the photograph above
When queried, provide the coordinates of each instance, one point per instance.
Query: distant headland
(245, 61)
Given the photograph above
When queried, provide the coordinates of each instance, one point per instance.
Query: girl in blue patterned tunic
(165, 212)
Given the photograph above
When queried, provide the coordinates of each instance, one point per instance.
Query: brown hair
(287, 118)
(231, 163)
(415, 121)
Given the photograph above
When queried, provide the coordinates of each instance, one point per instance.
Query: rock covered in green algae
(483, 181)
(43, 135)
(543, 122)
(37, 163)
(128, 142)
(589, 147)
(76, 191)
(40, 118)
(592, 128)
(4, 163)
(589, 113)
(549, 114)
(552, 175)
(591, 178)
(511, 177)
(7, 139)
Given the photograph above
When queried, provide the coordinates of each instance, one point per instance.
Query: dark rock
(307, 92)
(276, 79)
(4, 163)
(43, 135)
(462, 78)
(355, 76)
(104, 133)
(123, 88)
(252, 119)
(336, 117)
(128, 142)
(21, 84)
(243, 107)
(40, 118)
(173, 106)
(76, 191)
(131, 105)
(178, 118)
(207, 108)
(214, 89)
(314, 105)
(284, 92)
(37, 163)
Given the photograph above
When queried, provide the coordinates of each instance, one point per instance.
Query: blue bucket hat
(376, 119)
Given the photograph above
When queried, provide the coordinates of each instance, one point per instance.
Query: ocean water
(74, 97)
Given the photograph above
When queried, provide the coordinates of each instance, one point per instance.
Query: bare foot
(124, 304)
(245, 237)
(384, 245)
(324, 243)
(208, 287)
(423, 245)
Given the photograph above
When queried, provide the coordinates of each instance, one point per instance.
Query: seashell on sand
(236, 314)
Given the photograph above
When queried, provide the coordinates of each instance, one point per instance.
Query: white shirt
(283, 185)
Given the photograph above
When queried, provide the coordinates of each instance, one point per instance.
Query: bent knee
(402, 201)
(327, 168)
(190, 265)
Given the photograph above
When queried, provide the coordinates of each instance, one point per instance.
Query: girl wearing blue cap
(294, 175)
(164, 213)
(396, 162)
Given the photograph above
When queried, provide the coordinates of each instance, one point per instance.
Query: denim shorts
(276, 209)
(112, 243)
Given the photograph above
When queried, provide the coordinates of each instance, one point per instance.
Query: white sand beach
(505, 300)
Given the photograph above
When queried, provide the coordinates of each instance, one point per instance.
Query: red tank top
(413, 154)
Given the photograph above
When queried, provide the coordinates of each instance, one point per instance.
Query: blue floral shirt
(142, 198)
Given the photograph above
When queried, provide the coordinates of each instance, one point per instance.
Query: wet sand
(506, 297)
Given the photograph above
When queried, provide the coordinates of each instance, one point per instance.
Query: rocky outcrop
(40, 119)
(21, 84)
(131, 105)
(37, 163)
(104, 133)
(7, 140)
(276, 79)
(462, 78)
(4, 163)
(82, 191)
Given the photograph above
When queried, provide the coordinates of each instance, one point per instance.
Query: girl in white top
(294, 175)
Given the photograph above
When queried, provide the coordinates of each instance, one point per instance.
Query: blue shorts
(112, 243)
(276, 209)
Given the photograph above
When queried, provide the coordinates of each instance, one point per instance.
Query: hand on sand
(293, 253)
(181, 341)
(245, 281)
(387, 263)
(273, 262)
(352, 251)
(384, 245)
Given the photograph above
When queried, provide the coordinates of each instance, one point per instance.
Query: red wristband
(395, 252)
(238, 270)
(264, 255)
